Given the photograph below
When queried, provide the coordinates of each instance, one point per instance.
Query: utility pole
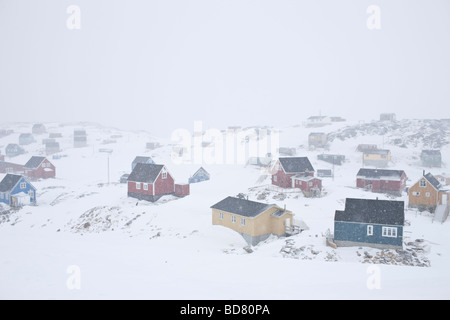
(108, 151)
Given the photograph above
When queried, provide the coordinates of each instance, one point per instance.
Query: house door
(444, 199)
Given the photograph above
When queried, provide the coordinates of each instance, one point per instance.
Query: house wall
(164, 186)
(422, 200)
(351, 233)
(262, 224)
(17, 189)
(304, 185)
(182, 190)
(382, 185)
(283, 180)
(132, 188)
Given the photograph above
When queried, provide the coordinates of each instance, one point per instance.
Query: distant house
(16, 191)
(377, 158)
(39, 168)
(255, 221)
(311, 186)
(54, 135)
(364, 147)
(52, 148)
(199, 176)
(150, 182)
(38, 128)
(324, 173)
(318, 121)
(371, 223)
(431, 158)
(387, 117)
(287, 167)
(26, 138)
(317, 139)
(124, 178)
(427, 193)
(13, 150)
(140, 159)
(336, 159)
(9, 167)
(79, 138)
(285, 151)
(381, 180)
(5, 132)
(443, 179)
(337, 119)
(152, 145)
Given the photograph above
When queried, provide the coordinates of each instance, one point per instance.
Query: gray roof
(296, 164)
(242, 207)
(141, 159)
(34, 162)
(385, 212)
(377, 173)
(431, 179)
(145, 172)
(431, 153)
(9, 182)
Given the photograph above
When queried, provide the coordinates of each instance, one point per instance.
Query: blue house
(17, 191)
(199, 176)
(26, 138)
(140, 159)
(371, 223)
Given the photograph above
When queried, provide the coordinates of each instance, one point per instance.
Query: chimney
(424, 173)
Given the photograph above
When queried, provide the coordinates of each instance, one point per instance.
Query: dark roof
(431, 179)
(9, 182)
(372, 211)
(145, 172)
(377, 173)
(431, 152)
(34, 162)
(140, 159)
(296, 164)
(241, 207)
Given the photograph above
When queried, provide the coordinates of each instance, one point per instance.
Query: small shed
(317, 139)
(336, 159)
(431, 158)
(182, 190)
(26, 138)
(199, 176)
(13, 150)
(38, 128)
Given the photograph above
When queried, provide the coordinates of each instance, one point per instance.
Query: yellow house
(377, 158)
(255, 221)
(427, 193)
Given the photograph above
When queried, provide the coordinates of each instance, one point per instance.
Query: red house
(381, 180)
(286, 168)
(182, 190)
(9, 167)
(39, 168)
(150, 182)
(311, 186)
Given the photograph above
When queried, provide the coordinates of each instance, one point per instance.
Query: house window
(164, 175)
(145, 186)
(221, 215)
(416, 193)
(423, 183)
(1, 195)
(275, 178)
(9, 170)
(370, 230)
(427, 194)
(138, 185)
(390, 232)
(23, 185)
(233, 219)
(310, 184)
(242, 221)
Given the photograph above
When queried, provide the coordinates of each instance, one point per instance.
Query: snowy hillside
(130, 249)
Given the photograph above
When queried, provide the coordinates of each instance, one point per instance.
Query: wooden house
(5, 132)
(311, 186)
(199, 176)
(427, 193)
(79, 138)
(16, 191)
(124, 178)
(336, 159)
(39, 168)
(13, 150)
(379, 158)
(318, 121)
(181, 189)
(285, 151)
(9, 167)
(52, 148)
(141, 159)
(443, 179)
(287, 167)
(324, 173)
(150, 182)
(255, 221)
(381, 180)
(431, 158)
(26, 138)
(317, 139)
(387, 117)
(366, 147)
(152, 145)
(38, 128)
(371, 223)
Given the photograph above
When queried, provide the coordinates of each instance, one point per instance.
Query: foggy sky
(161, 65)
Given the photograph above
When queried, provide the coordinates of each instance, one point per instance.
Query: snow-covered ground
(123, 248)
